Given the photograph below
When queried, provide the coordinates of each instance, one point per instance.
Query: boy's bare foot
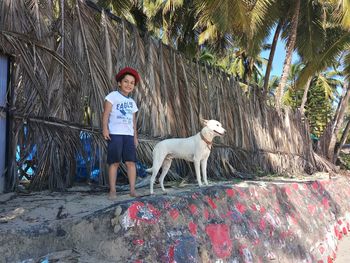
(133, 194)
(112, 196)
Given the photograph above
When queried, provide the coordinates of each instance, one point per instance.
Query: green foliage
(321, 96)
(344, 161)
(293, 95)
(231, 34)
(119, 7)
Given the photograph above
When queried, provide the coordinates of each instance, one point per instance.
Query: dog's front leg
(198, 172)
(204, 170)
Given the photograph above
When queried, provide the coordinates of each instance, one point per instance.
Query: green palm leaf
(337, 41)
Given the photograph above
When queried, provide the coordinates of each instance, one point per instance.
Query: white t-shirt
(121, 117)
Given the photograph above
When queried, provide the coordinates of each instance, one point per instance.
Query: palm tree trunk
(271, 56)
(342, 141)
(304, 99)
(329, 137)
(288, 59)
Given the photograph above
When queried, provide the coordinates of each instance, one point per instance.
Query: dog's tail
(149, 170)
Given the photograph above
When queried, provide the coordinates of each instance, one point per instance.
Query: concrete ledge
(250, 222)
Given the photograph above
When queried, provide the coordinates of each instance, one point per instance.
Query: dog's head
(214, 126)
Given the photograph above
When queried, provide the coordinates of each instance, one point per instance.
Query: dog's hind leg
(204, 171)
(165, 168)
(155, 168)
(153, 178)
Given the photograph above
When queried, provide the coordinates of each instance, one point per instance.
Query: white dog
(195, 149)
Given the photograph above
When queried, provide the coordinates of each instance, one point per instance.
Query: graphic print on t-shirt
(121, 116)
(125, 107)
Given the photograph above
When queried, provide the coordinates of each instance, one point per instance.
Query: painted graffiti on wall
(298, 222)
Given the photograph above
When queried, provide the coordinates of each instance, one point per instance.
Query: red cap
(128, 70)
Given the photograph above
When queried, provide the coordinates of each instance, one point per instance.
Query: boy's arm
(107, 108)
(136, 141)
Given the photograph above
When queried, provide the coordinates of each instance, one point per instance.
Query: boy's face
(127, 84)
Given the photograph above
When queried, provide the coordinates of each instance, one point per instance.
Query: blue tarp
(87, 168)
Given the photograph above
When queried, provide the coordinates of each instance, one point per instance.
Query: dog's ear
(204, 122)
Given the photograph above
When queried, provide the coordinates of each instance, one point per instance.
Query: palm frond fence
(65, 55)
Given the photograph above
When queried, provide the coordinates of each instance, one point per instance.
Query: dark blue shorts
(121, 148)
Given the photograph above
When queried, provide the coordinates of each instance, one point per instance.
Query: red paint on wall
(274, 189)
(277, 208)
(312, 209)
(230, 192)
(193, 209)
(321, 249)
(174, 213)
(336, 232)
(256, 242)
(171, 254)
(211, 202)
(144, 213)
(253, 207)
(138, 242)
(315, 185)
(240, 207)
(194, 196)
(193, 228)
(221, 242)
(295, 186)
(241, 193)
(167, 205)
(294, 219)
(345, 232)
(285, 234)
(206, 214)
(287, 190)
(325, 202)
(262, 224)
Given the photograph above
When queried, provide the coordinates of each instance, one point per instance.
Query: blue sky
(280, 54)
(277, 64)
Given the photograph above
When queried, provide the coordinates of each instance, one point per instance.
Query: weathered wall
(298, 222)
(247, 222)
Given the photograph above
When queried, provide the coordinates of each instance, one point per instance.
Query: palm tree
(335, 41)
(271, 56)
(322, 95)
(291, 40)
(292, 96)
